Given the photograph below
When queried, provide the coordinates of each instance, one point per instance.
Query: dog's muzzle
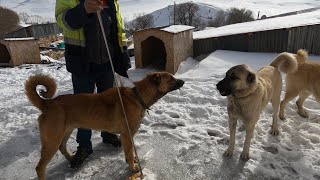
(178, 85)
(222, 89)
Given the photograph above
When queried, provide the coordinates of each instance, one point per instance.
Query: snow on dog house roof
(304, 19)
(17, 51)
(163, 48)
(177, 28)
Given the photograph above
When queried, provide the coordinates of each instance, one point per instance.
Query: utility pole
(174, 13)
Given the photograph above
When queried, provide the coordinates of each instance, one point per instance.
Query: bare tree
(198, 23)
(219, 19)
(236, 15)
(24, 17)
(142, 21)
(232, 16)
(9, 20)
(187, 14)
(36, 19)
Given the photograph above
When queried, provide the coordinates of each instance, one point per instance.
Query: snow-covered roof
(304, 19)
(19, 39)
(177, 28)
(25, 25)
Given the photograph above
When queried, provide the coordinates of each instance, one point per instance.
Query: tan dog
(101, 111)
(248, 93)
(303, 82)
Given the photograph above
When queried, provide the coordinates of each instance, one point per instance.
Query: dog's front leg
(128, 152)
(232, 130)
(249, 134)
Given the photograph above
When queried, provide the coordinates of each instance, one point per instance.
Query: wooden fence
(36, 31)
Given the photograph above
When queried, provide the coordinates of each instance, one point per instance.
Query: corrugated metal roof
(304, 19)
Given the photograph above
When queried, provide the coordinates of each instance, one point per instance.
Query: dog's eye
(233, 77)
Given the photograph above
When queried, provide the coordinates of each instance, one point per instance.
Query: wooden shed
(163, 48)
(17, 51)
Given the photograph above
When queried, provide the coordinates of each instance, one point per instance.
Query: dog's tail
(285, 62)
(31, 92)
(302, 55)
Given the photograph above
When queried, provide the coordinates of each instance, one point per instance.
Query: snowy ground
(183, 137)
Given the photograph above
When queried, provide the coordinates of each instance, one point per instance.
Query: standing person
(87, 57)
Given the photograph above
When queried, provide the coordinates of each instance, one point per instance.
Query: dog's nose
(180, 82)
(219, 85)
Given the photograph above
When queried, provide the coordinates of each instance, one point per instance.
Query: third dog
(303, 82)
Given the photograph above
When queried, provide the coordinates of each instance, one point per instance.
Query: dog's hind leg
(50, 141)
(63, 146)
(302, 97)
(48, 150)
(290, 94)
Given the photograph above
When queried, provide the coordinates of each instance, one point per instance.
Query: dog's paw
(228, 152)
(282, 117)
(274, 132)
(244, 156)
(134, 167)
(303, 114)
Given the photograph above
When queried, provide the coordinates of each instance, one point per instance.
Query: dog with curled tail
(102, 111)
(303, 82)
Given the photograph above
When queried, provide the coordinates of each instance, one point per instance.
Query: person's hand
(92, 6)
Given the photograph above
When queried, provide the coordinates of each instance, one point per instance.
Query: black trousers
(99, 78)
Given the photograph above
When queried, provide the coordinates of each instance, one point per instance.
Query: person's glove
(92, 6)
(126, 58)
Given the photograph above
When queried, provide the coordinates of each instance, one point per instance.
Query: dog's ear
(156, 78)
(251, 78)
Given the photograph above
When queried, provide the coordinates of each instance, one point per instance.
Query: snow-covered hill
(45, 8)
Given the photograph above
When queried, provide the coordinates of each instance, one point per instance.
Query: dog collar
(137, 94)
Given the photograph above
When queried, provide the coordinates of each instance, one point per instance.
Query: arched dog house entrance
(163, 49)
(4, 55)
(154, 53)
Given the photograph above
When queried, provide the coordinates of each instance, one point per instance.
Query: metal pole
(174, 13)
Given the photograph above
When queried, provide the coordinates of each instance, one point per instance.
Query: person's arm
(76, 17)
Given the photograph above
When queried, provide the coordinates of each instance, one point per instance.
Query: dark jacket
(79, 58)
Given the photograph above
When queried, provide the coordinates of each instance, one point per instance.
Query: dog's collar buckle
(142, 103)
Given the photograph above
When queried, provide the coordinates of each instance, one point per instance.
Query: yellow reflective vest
(75, 36)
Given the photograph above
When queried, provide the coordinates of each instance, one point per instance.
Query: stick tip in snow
(136, 176)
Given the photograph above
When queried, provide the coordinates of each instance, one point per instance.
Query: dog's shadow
(231, 168)
(18, 147)
(62, 170)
